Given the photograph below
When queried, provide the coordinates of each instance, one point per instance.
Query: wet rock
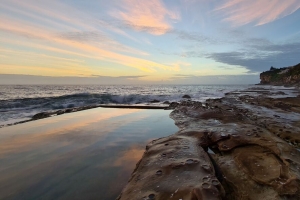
(186, 96)
(253, 138)
(279, 93)
(177, 175)
(69, 110)
(166, 102)
(252, 159)
(173, 105)
(214, 100)
(155, 101)
(60, 112)
(282, 105)
(41, 115)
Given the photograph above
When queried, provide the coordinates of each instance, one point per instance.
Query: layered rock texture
(244, 146)
(289, 76)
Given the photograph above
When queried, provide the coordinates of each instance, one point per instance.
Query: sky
(139, 41)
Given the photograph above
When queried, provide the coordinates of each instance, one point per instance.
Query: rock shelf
(240, 147)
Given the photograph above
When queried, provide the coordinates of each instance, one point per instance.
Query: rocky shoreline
(243, 146)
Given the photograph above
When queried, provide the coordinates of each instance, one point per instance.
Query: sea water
(21, 102)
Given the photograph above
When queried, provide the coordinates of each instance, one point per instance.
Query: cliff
(289, 76)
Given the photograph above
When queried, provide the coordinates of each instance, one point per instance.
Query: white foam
(22, 102)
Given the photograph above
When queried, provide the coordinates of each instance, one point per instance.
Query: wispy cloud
(259, 12)
(100, 39)
(149, 16)
(119, 37)
(84, 36)
(35, 69)
(77, 36)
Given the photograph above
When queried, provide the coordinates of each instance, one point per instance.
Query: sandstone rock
(252, 159)
(232, 148)
(174, 168)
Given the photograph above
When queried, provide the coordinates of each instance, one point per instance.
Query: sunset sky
(163, 41)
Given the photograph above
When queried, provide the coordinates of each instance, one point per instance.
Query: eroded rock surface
(174, 168)
(243, 146)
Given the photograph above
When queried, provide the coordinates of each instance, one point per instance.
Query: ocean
(21, 102)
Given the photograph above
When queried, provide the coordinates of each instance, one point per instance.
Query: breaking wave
(19, 103)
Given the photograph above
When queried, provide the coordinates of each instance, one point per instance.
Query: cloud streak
(259, 12)
(100, 39)
(75, 41)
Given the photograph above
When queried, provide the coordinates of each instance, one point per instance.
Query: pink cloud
(149, 16)
(19, 28)
(241, 12)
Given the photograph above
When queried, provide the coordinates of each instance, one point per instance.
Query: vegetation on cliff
(282, 76)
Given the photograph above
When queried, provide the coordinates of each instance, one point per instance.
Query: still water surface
(83, 155)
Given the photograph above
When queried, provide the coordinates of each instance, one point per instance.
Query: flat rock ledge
(239, 147)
